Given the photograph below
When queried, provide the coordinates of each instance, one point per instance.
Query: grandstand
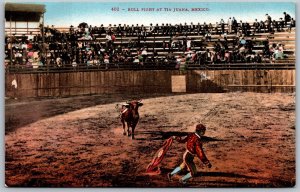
(243, 47)
(265, 45)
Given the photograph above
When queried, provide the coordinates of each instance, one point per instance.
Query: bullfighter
(193, 148)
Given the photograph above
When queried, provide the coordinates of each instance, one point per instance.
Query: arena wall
(64, 84)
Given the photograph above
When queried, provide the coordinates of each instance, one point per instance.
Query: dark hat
(200, 127)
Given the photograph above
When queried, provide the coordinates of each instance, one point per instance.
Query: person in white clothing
(229, 23)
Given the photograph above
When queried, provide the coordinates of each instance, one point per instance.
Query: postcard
(150, 94)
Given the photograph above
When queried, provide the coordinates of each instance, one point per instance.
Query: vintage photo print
(150, 94)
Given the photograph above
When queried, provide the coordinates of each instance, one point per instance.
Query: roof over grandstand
(24, 12)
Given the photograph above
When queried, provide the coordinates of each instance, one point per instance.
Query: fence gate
(179, 83)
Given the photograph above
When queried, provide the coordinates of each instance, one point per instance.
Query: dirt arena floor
(78, 142)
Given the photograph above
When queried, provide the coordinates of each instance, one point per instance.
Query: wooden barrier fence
(64, 84)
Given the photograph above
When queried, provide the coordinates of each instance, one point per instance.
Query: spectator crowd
(125, 45)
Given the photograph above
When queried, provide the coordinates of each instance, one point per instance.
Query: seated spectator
(49, 36)
(272, 50)
(189, 56)
(74, 63)
(86, 36)
(188, 44)
(227, 58)
(242, 49)
(19, 58)
(280, 25)
(182, 65)
(28, 63)
(144, 54)
(257, 58)
(59, 61)
(207, 36)
(108, 37)
(242, 41)
(292, 24)
(30, 36)
(106, 60)
(209, 56)
(278, 53)
(136, 60)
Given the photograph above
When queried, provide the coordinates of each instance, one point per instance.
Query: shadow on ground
(161, 135)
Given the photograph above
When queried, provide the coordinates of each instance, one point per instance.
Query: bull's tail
(119, 110)
(117, 106)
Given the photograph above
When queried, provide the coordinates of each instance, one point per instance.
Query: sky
(64, 14)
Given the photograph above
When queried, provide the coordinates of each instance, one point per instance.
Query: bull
(130, 116)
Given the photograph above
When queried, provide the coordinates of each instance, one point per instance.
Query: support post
(10, 43)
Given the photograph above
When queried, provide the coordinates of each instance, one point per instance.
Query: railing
(149, 66)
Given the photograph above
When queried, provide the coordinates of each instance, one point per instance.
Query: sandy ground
(78, 142)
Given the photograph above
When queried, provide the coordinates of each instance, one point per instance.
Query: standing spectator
(262, 26)
(287, 18)
(210, 27)
(205, 27)
(119, 30)
(144, 32)
(217, 28)
(241, 26)
(229, 24)
(131, 30)
(102, 30)
(234, 24)
(222, 23)
(151, 29)
(256, 26)
(124, 30)
(192, 27)
(198, 29)
(268, 22)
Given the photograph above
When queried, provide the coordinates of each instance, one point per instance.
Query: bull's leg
(123, 123)
(132, 134)
(128, 129)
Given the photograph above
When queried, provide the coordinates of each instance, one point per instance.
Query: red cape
(158, 157)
